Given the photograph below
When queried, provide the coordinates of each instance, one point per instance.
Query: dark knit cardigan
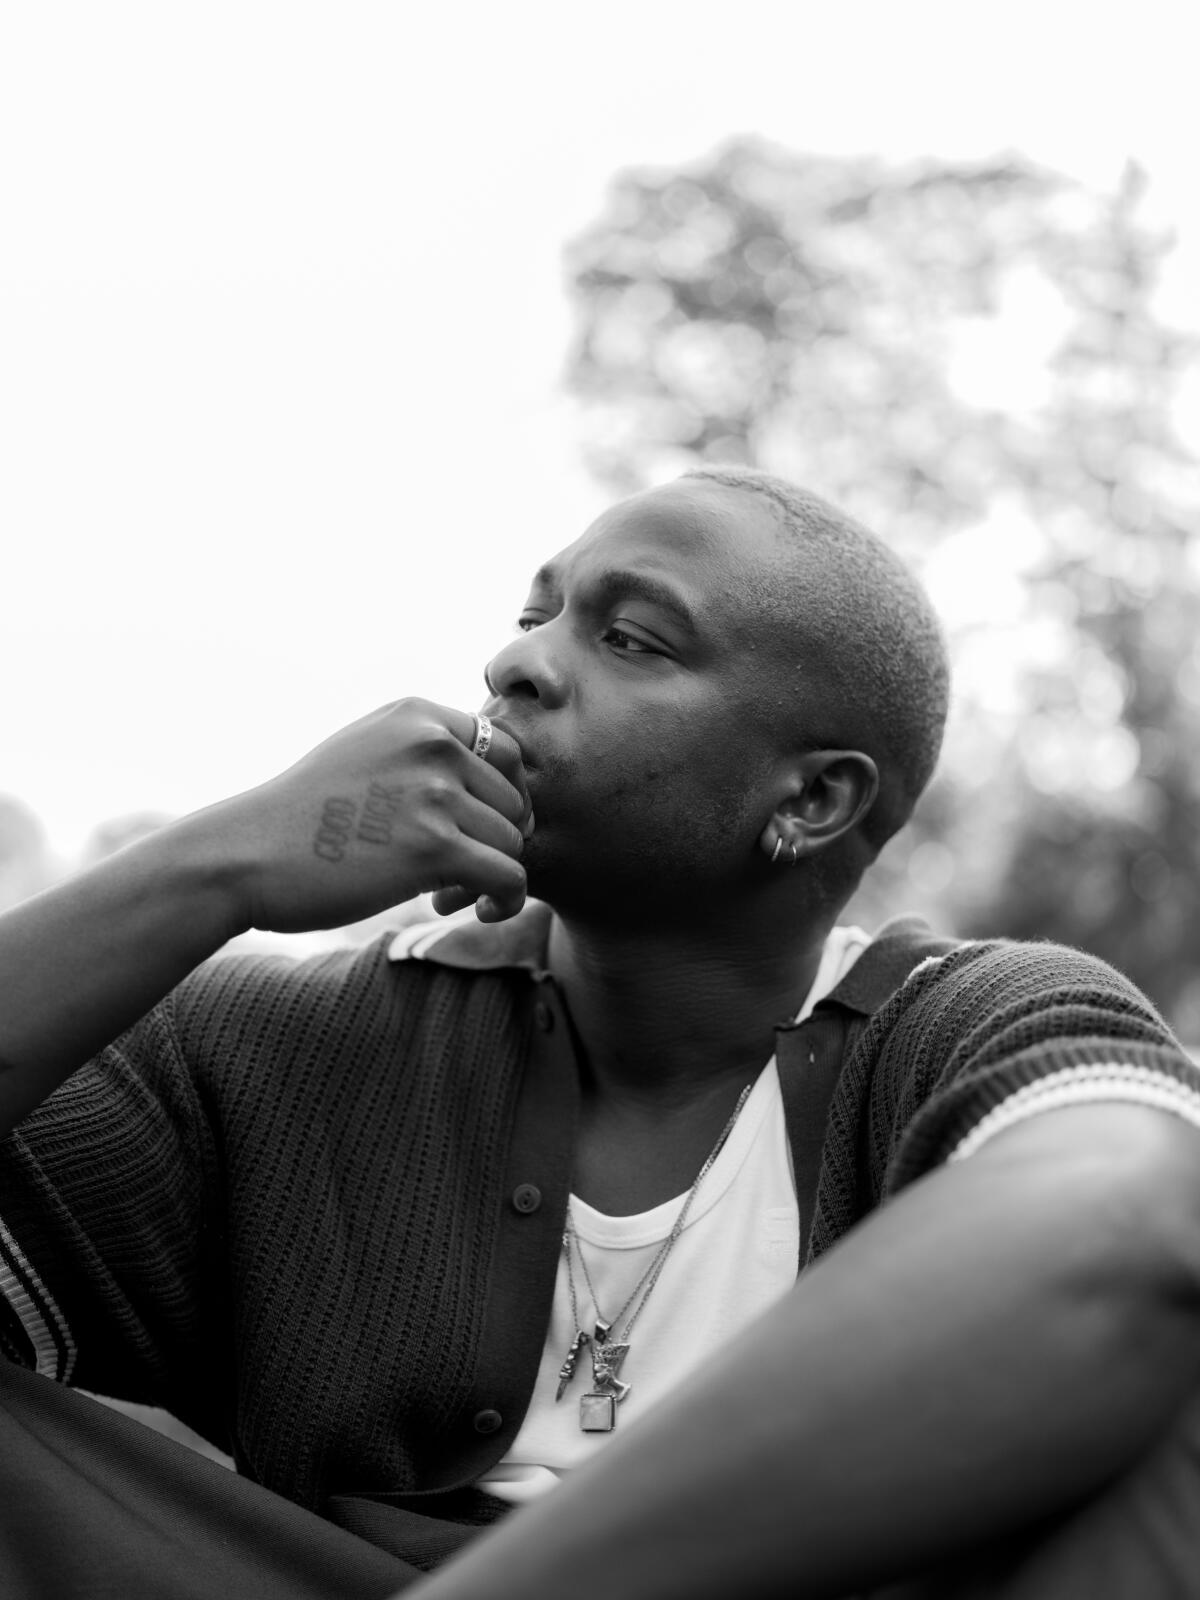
(315, 1208)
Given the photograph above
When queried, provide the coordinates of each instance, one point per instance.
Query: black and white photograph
(599, 801)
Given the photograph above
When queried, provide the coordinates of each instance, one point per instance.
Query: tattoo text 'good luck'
(341, 821)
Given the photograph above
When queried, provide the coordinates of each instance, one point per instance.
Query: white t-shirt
(734, 1259)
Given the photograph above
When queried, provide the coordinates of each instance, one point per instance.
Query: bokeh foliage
(816, 316)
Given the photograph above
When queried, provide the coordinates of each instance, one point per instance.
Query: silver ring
(483, 735)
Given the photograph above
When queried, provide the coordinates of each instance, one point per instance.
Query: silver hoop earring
(795, 853)
(777, 849)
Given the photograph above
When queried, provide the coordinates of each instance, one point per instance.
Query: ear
(829, 793)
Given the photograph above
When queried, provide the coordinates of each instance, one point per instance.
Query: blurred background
(321, 326)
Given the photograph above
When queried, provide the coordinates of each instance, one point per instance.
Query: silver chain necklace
(598, 1408)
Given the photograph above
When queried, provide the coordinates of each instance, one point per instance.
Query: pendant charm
(606, 1363)
(598, 1413)
(567, 1371)
(598, 1410)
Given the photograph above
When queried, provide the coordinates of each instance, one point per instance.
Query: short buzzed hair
(869, 636)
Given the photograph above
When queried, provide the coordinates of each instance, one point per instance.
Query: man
(418, 1232)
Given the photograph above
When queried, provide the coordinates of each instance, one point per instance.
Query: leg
(96, 1504)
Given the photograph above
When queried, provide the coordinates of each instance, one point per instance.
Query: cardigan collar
(897, 949)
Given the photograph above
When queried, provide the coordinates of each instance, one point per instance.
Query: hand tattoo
(339, 816)
(337, 823)
(382, 805)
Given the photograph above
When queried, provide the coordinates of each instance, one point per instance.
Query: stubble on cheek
(630, 821)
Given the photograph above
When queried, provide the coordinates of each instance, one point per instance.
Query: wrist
(199, 866)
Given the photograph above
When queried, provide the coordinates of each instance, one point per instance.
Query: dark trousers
(94, 1506)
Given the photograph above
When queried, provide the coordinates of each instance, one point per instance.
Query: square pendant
(598, 1413)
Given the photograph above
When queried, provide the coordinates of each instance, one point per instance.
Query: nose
(529, 668)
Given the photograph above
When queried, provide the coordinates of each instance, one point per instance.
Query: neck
(669, 1017)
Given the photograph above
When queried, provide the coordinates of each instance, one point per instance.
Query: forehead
(708, 541)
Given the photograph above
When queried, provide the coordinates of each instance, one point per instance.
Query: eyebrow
(620, 584)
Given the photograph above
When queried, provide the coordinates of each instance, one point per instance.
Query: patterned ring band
(483, 736)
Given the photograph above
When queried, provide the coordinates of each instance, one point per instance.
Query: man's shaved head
(853, 619)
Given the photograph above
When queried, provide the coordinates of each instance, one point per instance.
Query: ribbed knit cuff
(961, 1120)
(33, 1309)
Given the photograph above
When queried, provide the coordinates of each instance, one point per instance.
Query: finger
(504, 753)
(447, 901)
(503, 756)
(488, 907)
(495, 791)
(509, 767)
(474, 870)
(482, 822)
(478, 825)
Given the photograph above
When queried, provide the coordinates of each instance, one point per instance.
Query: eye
(526, 624)
(624, 642)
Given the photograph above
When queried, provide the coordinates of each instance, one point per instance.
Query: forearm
(984, 1351)
(394, 804)
(82, 961)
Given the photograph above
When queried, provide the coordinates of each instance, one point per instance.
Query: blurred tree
(25, 864)
(116, 832)
(968, 358)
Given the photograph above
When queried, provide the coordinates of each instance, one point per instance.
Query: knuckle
(412, 705)
(438, 793)
(425, 724)
(438, 744)
(442, 829)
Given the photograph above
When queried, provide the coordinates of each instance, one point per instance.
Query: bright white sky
(281, 320)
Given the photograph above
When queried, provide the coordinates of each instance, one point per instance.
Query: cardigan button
(526, 1197)
(487, 1421)
(543, 1016)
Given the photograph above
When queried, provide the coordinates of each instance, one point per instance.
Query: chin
(550, 875)
(538, 861)
(578, 883)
